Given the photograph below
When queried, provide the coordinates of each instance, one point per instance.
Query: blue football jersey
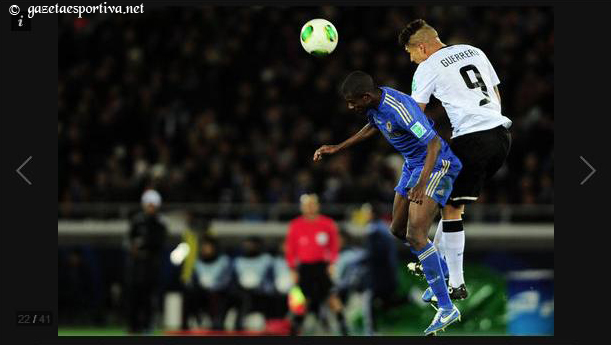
(406, 127)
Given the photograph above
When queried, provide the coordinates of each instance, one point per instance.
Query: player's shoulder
(445, 52)
(473, 49)
(393, 95)
(295, 221)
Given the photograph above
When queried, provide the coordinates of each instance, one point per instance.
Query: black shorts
(315, 283)
(482, 154)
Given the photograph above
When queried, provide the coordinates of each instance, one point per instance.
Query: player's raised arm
(416, 194)
(367, 131)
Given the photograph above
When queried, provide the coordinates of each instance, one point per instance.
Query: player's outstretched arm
(416, 194)
(367, 131)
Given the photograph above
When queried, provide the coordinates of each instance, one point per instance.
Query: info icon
(21, 22)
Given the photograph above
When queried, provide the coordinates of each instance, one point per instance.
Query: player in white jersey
(463, 79)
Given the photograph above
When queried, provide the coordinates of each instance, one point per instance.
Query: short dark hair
(207, 238)
(357, 83)
(410, 29)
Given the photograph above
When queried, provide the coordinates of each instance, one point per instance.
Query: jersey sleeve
(370, 120)
(423, 84)
(411, 119)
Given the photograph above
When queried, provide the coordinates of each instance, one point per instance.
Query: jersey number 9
(478, 84)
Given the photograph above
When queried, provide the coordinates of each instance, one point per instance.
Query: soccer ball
(319, 37)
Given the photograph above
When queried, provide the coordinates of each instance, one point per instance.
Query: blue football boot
(443, 318)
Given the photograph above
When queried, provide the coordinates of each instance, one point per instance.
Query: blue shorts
(440, 183)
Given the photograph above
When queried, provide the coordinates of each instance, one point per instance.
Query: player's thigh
(500, 140)
(470, 180)
(400, 210)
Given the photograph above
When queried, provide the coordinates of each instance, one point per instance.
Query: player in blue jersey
(429, 171)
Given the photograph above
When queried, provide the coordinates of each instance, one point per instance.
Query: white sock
(438, 239)
(454, 246)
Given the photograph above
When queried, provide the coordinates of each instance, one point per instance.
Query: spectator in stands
(137, 111)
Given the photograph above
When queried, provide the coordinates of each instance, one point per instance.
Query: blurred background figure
(146, 239)
(196, 229)
(382, 262)
(312, 248)
(253, 270)
(76, 284)
(283, 281)
(350, 269)
(213, 278)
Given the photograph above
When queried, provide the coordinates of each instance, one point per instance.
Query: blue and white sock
(434, 274)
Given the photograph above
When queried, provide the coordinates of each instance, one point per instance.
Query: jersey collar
(382, 98)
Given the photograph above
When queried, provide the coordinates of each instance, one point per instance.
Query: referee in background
(146, 238)
(312, 247)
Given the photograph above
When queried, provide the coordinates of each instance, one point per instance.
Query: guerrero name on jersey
(463, 79)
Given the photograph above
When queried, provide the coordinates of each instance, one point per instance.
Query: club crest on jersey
(418, 129)
(389, 127)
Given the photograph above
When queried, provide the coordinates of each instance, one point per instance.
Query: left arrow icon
(21, 174)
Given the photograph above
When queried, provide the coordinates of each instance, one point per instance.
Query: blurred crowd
(223, 104)
(247, 279)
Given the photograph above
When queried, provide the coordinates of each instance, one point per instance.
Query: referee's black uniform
(147, 236)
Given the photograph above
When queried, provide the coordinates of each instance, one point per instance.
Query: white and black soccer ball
(319, 37)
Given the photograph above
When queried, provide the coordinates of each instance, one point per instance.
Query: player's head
(358, 89)
(151, 201)
(208, 247)
(309, 205)
(252, 246)
(419, 40)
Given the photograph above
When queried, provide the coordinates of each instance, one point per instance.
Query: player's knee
(452, 211)
(398, 230)
(417, 236)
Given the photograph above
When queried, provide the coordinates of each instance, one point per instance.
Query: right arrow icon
(591, 167)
